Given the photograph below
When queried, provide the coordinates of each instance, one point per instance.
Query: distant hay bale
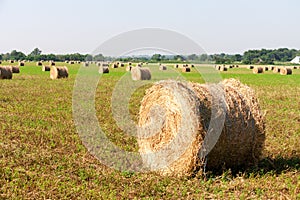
(276, 69)
(295, 67)
(78, 62)
(266, 69)
(286, 71)
(128, 68)
(0, 62)
(250, 67)
(86, 64)
(138, 73)
(11, 61)
(272, 68)
(59, 72)
(223, 69)
(186, 69)
(187, 111)
(39, 63)
(162, 68)
(15, 69)
(231, 66)
(115, 65)
(258, 70)
(46, 68)
(71, 62)
(129, 63)
(176, 66)
(103, 70)
(121, 65)
(99, 64)
(52, 63)
(237, 66)
(21, 64)
(6, 72)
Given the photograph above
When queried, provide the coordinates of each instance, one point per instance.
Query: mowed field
(42, 156)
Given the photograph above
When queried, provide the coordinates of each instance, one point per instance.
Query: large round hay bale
(138, 73)
(103, 70)
(15, 69)
(59, 72)
(46, 68)
(186, 69)
(258, 70)
(162, 68)
(6, 72)
(286, 71)
(276, 69)
(39, 63)
(187, 111)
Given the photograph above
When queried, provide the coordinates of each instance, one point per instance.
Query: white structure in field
(296, 60)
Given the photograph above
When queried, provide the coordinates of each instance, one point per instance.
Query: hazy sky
(69, 26)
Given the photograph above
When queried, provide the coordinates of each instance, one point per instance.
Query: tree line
(262, 56)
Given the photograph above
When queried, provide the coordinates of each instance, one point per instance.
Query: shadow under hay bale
(6, 72)
(46, 68)
(186, 69)
(286, 71)
(59, 72)
(187, 109)
(258, 70)
(138, 73)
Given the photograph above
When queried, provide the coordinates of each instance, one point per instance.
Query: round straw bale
(21, 64)
(122, 65)
(250, 67)
(223, 69)
(295, 67)
(52, 63)
(186, 69)
(128, 68)
(258, 70)
(176, 66)
(6, 72)
(11, 61)
(266, 69)
(15, 69)
(71, 62)
(286, 71)
(0, 62)
(99, 64)
(86, 64)
(237, 66)
(162, 68)
(39, 63)
(187, 111)
(46, 68)
(129, 63)
(103, 70)
(138, 73)
(115, 65)
(59, 72)
(276, 69)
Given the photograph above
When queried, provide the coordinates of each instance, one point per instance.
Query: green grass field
(42, 157)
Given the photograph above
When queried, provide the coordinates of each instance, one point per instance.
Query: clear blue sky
(68, 26)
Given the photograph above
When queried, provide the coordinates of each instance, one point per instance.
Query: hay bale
(266, 69)
(6, 72)
(223, 69)
(71, 62)
(15, 69)
(286, 71)
(46, 68)
(186, 69)
(103, 70)
(52, 63)
(162, 68)
(176, 66)
(86, 64)
(138, 73)
(0, 62)
(128, 68)
(184, 110)
(59, 72)
(276, 69)
(121, 65)
(115, 65)
(39, 63)
(11, 61)
(258, 70)
(250, 67)
(21, 64)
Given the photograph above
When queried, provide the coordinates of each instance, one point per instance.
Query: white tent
(296, 60)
